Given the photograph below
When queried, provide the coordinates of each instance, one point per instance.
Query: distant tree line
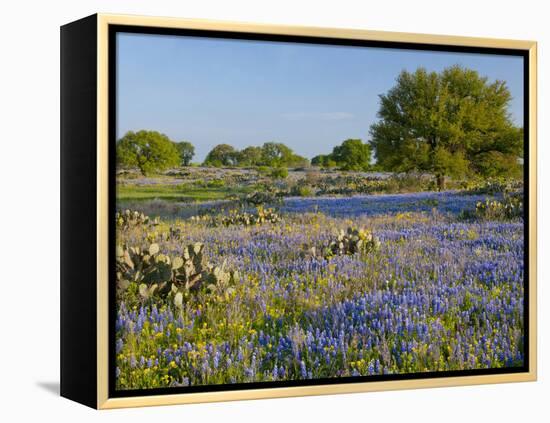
(273, 154)
(452, 123)
(152, 151)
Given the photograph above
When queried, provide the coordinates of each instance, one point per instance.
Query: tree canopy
(149, 151)
(222, 155)
(352, 154)
(452, 123)
(275, 154)
(323, 160)
(269, 154)
(296, 160)
(250, 156)
(186, 151)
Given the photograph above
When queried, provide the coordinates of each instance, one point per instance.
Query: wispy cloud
(318, 116)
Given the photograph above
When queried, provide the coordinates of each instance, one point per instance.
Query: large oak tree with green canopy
(149, 151)
(453, 123)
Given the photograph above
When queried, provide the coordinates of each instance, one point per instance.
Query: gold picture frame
(99, 26)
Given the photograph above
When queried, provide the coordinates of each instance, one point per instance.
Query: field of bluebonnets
(318, 284)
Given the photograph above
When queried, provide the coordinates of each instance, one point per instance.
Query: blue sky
(310, 97)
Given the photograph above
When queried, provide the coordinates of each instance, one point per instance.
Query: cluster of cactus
(352, 185)
(494, 186)
(353, 241)
(511, 207)
(147, 268)
(346, 242)
(201, 218)
(157, 274)
(128, 218)
(173, 233)
(268, 195)
(220, 282)
(260, 216)
(361, 184)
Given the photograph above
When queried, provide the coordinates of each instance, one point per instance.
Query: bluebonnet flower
(119, 345)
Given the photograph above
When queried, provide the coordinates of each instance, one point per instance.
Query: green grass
(177, 192)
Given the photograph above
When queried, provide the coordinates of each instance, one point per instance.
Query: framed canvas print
(256, 211)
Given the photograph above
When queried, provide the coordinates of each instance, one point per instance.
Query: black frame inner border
(113, 30)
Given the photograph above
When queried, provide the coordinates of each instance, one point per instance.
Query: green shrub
(302, 191)
(279, 173)
(410, 182)
(216, 183)
(264, 170)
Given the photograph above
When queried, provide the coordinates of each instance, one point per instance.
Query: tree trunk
(440, 179)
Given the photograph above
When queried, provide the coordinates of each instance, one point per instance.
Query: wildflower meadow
(325, 287)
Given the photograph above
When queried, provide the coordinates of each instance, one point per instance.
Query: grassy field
(177, 192)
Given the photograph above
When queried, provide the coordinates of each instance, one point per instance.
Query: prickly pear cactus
(349, 242)
(510, 207)
(189, 269)
(155, 273)
(353, 241)
(129, 218)
(143, 267)
(259, 217)
(268, 195)
(221, 281)
(201, 218)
